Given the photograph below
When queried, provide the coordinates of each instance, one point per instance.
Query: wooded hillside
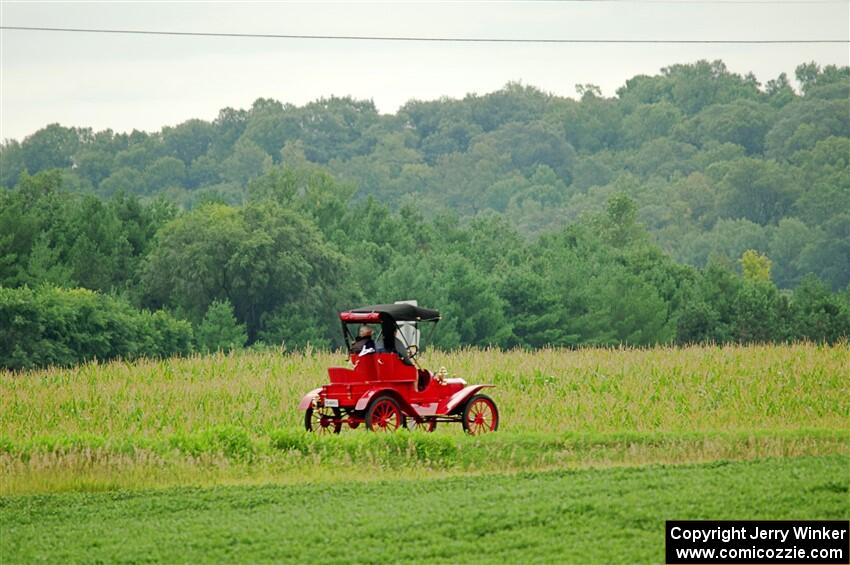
(686, 208)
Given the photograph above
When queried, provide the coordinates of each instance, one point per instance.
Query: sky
(126, 82)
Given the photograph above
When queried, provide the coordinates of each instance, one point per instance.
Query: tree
(49, 148)
(814, 80)
(699, 322)
(624, 309)
(588, 91)
(788, 242)
(259, 257)
(165, 172)
(802, 124)
(818, 314)
(189, 140)
(529, 146)
(779, 91)
(825, 172)
(11, 163)
(650, 121)
(592, 125)
(755, 266)
(124, 180)
(533, 309)
(693, 87)
(717, 289)
(45, 265)
(760, 191)
(219, 330)
(247, 162)
(335, 127)
(742, 122)
(829, 255)
(269, 125)
(94, 164)
(620, 226)
(295, 327)
(761, 313)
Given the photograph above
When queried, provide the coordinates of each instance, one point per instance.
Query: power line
(774, 2)
(420, 38)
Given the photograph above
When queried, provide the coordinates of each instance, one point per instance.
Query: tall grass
(550, 390)
(234, 418)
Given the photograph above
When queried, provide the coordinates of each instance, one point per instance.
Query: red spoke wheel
(424, 425)
(480, 415)
(384, 415)
(323, 420)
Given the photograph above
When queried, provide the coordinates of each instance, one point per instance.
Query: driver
(364, 344)
(405, 351)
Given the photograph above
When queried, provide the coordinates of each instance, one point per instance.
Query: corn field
(234, 417)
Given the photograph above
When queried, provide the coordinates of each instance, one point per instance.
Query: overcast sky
(142, 82)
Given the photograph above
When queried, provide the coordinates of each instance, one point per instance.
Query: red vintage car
(385, 389)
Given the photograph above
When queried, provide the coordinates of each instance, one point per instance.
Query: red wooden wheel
(480, 415)
(384, 415)
(323, 420)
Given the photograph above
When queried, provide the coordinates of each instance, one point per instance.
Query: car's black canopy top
(401, 312)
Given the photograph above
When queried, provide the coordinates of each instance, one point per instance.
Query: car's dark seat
(423, 380)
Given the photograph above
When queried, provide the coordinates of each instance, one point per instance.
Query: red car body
(386, 390)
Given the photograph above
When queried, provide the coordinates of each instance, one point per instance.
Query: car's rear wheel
(384, 415)
(480, 415)
(323, 420)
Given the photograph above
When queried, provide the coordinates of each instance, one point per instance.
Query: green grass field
(597, 515)
(204, 458)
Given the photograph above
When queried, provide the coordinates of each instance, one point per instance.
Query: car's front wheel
(480, 415)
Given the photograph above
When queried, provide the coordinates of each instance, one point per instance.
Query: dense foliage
(684, 209)
(716, 162)
(51, 326)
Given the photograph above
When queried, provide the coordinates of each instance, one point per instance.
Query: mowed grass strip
(599, 516)
(232, 456)
(665, 389)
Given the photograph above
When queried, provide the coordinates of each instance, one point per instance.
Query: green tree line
(696, 205)
(277, 269)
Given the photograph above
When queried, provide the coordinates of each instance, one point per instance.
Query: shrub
(54, 326)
